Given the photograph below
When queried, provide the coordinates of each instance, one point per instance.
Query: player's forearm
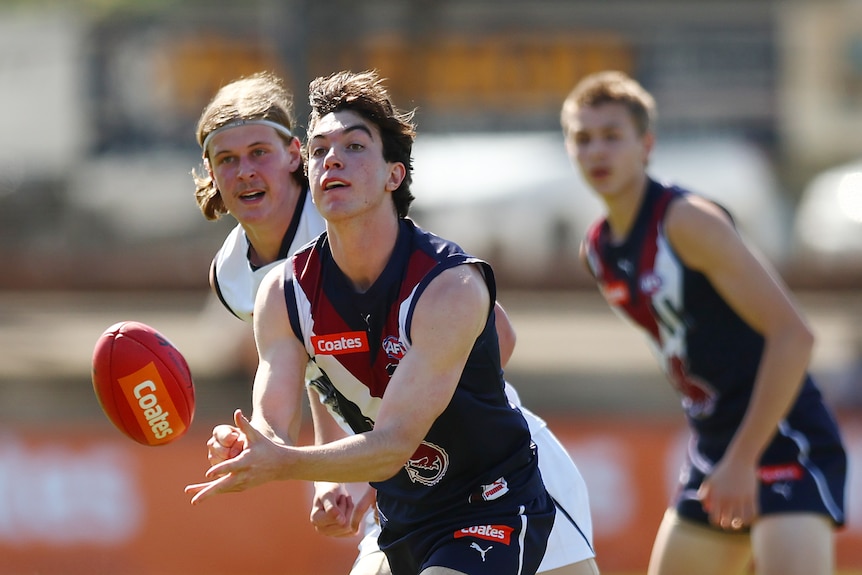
(779, 379)
(277, 412)
(360, 458)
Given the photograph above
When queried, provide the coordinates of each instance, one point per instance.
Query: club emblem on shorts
(491, 491)
(475, 546)
(428, 464)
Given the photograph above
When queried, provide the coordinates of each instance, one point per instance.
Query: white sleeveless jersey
(234, 279)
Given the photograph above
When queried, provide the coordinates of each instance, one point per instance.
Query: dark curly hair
(365, 94)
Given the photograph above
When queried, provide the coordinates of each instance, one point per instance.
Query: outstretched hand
(242, 458)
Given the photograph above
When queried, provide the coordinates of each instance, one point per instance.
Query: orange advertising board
(84, 499)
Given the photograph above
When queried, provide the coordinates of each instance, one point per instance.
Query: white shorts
(571, 539)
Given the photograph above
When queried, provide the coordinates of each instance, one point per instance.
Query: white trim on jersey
(237, 281)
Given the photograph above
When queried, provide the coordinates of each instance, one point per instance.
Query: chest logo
(338, 343)
(428, 464)
(393, 348)
(650, 283)
(615, 292)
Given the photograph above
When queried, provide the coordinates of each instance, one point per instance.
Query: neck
(362, 248)
(266, 239)
(622, 208)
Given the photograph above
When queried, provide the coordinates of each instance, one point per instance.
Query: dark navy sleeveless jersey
(709, 354)
(358, 340)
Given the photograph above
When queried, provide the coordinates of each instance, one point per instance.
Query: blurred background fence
(756, 99)
(760, 107)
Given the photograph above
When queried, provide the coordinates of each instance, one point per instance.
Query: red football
(143, 383)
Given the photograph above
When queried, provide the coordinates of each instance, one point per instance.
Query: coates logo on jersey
(338, 343)
(428, 464)
(615, 292)
(498, 533)
(393, 348)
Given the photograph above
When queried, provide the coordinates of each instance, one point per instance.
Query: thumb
(245, 426)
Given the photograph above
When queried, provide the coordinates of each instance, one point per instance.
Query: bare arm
(704, 238)
(280, 378)
(505, 334)
(333, 512)
(448, 318)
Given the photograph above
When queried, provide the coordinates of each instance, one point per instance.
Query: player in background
(425, 387)
(765, 470)
(252, 171)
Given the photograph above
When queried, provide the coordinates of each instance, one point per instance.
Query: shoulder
(699, 230)
(270, 304)
(453, 310)
(233, 253)
(234, 245)
(236, 237)
(688, 212)
(273, 282)
(460, 289)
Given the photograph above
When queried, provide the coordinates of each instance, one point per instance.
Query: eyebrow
(255, 144)
(348, 129)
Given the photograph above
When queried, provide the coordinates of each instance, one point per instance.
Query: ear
(397, 173)
(648, 145)
(295, 151)
(208, 168)
(569, 144)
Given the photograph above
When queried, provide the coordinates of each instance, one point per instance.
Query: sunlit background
(760, 108)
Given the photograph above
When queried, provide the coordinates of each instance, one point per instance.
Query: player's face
(612, 156)
(346, 170)
(252, 167)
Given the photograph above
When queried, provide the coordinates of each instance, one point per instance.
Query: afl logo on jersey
(428, 464)
(650, 283)
(393, 348)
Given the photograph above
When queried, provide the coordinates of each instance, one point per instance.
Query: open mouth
(250, 197)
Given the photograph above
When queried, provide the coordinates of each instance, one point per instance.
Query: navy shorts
(812, 483)
(501, 540)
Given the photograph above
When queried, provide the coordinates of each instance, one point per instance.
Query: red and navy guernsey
(709, 353)
(358, 340)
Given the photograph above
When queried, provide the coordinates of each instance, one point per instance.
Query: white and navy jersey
(709, 354)
(233, 277)
(358, 340)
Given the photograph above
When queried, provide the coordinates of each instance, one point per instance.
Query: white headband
(237, 123)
